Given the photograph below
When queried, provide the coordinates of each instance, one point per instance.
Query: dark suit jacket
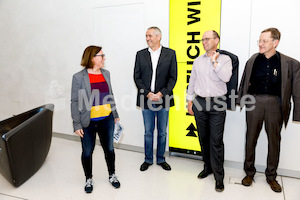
(290, 85)
(233, 82)
(166, 76)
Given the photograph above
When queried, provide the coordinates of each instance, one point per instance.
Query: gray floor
(61, 178)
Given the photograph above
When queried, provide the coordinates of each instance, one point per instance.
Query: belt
(208, 98)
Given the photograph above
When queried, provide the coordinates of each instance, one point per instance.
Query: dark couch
(25, 143)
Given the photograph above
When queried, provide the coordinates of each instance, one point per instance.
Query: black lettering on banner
(193, 37)
(193, 51)
(191, 56)
(195, 12)
(194, 3)
(188, 75)
(193, 34)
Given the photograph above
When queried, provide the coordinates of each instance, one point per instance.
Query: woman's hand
(80, 132)
(117, 119)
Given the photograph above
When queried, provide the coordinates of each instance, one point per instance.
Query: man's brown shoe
(274, 185)
(247, 181)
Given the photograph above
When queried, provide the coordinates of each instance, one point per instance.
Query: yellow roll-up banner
(188, 21)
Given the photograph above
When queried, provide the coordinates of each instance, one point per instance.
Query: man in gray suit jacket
(271, 78)
(155, 75)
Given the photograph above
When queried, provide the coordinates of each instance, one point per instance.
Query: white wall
(242, 22)
(42, 44)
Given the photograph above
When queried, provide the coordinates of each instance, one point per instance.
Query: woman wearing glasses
(94, 111)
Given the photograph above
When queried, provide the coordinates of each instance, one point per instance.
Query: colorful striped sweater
(102, 110)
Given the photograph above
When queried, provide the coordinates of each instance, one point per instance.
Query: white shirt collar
(151, 51)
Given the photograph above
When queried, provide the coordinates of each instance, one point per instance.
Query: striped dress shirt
(207, 81)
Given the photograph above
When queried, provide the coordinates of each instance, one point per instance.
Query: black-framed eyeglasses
(102, 55)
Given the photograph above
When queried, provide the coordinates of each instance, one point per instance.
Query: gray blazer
(81, 89)
(290, 85)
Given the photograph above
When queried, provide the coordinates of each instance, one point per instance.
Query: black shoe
(219, 186)
(88, 185)
(145, 166)
(204, 173)
(165, 166)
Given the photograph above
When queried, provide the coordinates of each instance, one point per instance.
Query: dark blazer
(290, 85)
(81, 86)
(233, 82)
(166, 76)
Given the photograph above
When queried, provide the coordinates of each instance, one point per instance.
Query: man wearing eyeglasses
(272, 78)
(207, 102)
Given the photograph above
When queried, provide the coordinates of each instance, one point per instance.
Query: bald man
(207, 102)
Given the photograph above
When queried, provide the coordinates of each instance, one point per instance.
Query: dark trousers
(267, 109)
(210, 126)
(105, 130)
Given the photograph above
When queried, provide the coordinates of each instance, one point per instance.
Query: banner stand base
(185, 153)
